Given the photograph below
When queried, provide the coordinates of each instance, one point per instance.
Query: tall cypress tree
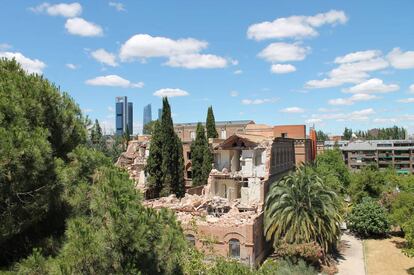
(172, 166)
(154, 161)
(96, 133)
(200, 157)
(211, 124)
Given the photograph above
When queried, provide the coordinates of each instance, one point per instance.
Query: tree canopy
(211, 124)
(201, 157)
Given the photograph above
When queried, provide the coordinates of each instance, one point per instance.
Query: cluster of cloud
(113, 81)
(117, 5)
(170, 92)
(104, 57)
(258, 101)
(359, 115)
(74, 24)
(293, 27)
(183, 53)
(28, 64)
(355, 68)
(292, 110)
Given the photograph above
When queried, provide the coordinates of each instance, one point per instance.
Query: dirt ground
(384, 257)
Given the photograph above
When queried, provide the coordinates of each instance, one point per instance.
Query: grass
(384, 257)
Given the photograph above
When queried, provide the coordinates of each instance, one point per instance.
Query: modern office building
(147, 117)
(123, 115)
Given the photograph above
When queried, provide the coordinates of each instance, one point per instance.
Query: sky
(332, 64)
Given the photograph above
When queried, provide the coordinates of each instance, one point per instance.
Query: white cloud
(282, 68)
(313, 120)
(354, 72)
(295, 26)
(170, 92)
(373, 85)
(258, 101)
(292, 110)
(71, 66)
(327, 110)
(62, 9)
(282, 52)
(351, 100)
(145, 46)
(238, 72)
(194, 61)
(401, 60)
(184, 53)
(358, 56)
(117, 5)
(5, 46)
(406, 100)
(113, 81)
(234, 93)
(81, 27)
(363, 114)
(104, 57)
(384, 120)
(29, 65)
(411, 88)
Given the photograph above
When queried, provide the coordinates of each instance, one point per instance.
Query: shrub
(368, 219)
(311, 252)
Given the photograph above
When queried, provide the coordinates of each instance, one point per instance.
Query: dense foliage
(394, 132)
(321, 136)
(38, 126)
(369, 182)
(300, 208)
(201, 157)
(211, 124)
(368, 219)
(165, 164)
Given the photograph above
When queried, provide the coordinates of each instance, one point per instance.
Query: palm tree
(301, 209)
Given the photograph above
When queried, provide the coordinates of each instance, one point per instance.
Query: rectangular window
(192, 135)
(223, 134)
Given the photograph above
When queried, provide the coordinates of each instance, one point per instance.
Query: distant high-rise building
(123, 115)
(147, 117)
(159, 113)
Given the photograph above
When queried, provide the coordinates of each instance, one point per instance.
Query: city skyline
(332, 64)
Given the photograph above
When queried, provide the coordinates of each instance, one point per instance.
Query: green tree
(172, 166)
(149, 127)
(96, 133)
(38, 125)
(154, 161)
(301, 209)
(332, 168)
(321, 136)
(347, 135)
(369, 182)
(211, 124)
(200, 157)
(368, 218)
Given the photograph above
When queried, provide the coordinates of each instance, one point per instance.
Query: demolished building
(228, 216)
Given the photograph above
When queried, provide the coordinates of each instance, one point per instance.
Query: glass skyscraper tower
(123, 115)
(147, 116)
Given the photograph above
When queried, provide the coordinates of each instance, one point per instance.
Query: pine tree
(96, 133)
(154, 161)
(211, 124)
(200, 157)
(172, 166)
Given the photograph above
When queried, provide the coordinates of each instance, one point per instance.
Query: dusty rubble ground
(206, 210)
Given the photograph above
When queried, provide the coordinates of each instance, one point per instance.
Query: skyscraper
(123, 115)
(159, 114)
(147, 117)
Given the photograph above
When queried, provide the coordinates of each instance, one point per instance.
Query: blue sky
(328, 63)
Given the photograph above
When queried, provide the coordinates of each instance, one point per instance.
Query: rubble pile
(205, 210)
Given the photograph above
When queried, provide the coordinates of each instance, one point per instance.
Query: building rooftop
(379, 144)
(218, 123)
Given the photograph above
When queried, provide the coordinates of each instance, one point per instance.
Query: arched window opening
(234, 248)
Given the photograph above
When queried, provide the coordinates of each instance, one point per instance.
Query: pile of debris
(205, 210)
(134, 160)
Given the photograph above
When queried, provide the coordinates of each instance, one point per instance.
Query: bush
(311, 252)
(368, 219)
